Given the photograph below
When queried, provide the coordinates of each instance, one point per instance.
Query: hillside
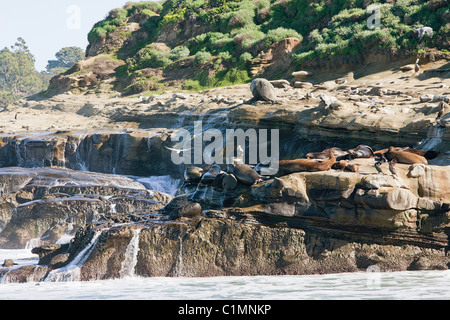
(197, 44)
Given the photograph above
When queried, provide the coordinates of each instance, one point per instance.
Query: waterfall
(434, 138)
(33, 243)
(72, 271)
(179, 263)
(129, 263)
(165, 184)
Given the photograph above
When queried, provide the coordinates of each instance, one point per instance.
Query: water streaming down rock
(33, 243)
(165, 184)
(129, 263)
(178, 268)
(435, 141)
(72, 271)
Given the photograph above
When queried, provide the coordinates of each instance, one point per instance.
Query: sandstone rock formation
(301, 223)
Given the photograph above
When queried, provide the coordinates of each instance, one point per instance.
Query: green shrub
(246, 56)
(225, 56)
(173, 17)
(201, 58)
(115, 18)
(139, 7)
(179, 53)
(280, 34)
(149, 58)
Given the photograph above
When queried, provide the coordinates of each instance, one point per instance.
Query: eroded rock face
(228, 244)
(302, 223)
(48, 203)
(137, 153)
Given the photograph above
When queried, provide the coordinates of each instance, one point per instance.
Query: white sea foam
(411, 285)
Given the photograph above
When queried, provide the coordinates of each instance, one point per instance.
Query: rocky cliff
(75, 164)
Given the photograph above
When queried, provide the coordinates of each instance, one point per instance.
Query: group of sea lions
(331, 158)
(214, 175)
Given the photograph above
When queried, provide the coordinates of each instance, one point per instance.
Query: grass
(238, 30)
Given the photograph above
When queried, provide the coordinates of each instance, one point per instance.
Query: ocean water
(411, 285)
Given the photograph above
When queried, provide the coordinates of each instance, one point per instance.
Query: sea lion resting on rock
(244, 173)
(299, 165)
(361, 151)
(193, 174)
(404, 157)
(211, 175)
(324, 154)
(262, 89)
(429, 155)
(345, 165)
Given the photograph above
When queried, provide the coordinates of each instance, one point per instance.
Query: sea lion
(353, 167)
(211, 175)
(299, 165)
(182, 206)
(193, 174)
(324, 154)
(429, 155)
(262, 89)
(340, 165)
(244, 173)
(404, 157)
(361, 151)
(229, 182)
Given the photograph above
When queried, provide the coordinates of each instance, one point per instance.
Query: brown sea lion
(361, 151)
(429, 155)
(353, 167)
(404, 157)
(299, 165)
(324, 154)
(244, 173)
(340, 165)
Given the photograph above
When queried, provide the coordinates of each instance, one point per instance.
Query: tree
(65, 59)
(18, 76)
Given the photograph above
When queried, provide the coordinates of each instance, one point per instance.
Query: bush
(201, 58)
(280, 34)
(149, 58)
(246, 56)
(179, 53)
(115, 18)
(225, 56)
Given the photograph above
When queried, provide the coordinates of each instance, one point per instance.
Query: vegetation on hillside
(234, 32)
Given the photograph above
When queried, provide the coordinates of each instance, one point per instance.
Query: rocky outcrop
(141, 153)
(301, 223)
(49, 203)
